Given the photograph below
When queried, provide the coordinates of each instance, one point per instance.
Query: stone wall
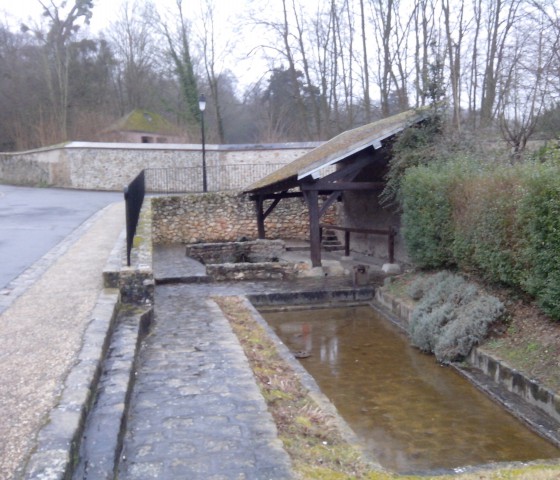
(111, 166)
(235, 252)
(251, 271)
(135, 282)
(224, 217)
(364, 210)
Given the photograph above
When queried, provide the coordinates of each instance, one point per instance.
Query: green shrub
(501, 222)
(540, 215)
(427, 194)
(414, 146)
(427, 216)
(468, 328)
(452, 317)
(486, 230)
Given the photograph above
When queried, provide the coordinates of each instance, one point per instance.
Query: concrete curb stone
(58, 440)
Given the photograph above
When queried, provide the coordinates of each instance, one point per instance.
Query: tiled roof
(339, 148)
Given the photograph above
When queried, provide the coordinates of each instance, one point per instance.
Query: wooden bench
(391, 232)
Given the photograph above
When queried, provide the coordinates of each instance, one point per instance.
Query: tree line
(281, 70)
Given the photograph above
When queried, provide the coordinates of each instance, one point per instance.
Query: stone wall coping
(171, 146)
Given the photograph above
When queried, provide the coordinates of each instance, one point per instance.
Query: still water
(410, 413)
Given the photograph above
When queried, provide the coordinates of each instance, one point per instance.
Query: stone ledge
(251, 271)
(135, 283)
(252, 251)
(496, 373)
(395, 305)
(514, 381)
(58, 440)
(327, 296)
(101, 443)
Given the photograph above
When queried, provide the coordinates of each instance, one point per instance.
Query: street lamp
(202, 107)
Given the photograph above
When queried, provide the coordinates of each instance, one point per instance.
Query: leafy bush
(452, 317)
(427, 216)
(500, 221)
(427, 194)
(414, 146)
(540, 215)
(486, 230)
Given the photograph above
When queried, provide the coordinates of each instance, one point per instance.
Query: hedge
(501, 222)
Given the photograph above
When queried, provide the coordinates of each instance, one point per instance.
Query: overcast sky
(104, 11)
(24, 10)
(227, 12)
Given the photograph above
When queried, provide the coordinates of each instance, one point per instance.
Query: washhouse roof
(140, 120)
(336, 149)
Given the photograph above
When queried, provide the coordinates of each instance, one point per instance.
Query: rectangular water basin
(411, 414)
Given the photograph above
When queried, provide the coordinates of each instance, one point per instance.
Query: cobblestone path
(196, 412)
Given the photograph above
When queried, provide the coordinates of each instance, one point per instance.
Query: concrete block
(391, 268)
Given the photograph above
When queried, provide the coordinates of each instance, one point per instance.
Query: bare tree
(454, 48)
(525, 83)
(179, 49)
(132, 37)
(393, 28)
(365, 65)
(210, 59)
(501, 18)
(474, 64)
(63, 23)
(313, 96)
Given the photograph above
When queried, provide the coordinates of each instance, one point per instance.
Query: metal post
(204, 179)
(202, 107)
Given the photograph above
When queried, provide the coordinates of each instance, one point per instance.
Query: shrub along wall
(501, 222)
(225, 217)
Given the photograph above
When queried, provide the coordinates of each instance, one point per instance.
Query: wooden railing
(134, 198)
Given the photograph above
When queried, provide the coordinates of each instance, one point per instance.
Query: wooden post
(259, 203)
(312, 198)
(392, 234)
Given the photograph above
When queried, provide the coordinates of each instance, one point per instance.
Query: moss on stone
(145, 121)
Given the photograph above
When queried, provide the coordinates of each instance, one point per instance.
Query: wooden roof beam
(341, 186)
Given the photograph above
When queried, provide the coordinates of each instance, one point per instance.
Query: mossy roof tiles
(339, 148)
(144, 121)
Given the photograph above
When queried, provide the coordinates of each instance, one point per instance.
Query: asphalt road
(34, 220)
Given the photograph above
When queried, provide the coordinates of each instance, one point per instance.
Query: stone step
(105, 424)
(333, 248)
(298, 248)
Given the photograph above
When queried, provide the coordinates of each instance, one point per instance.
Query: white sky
(25, 10)
(14, 12)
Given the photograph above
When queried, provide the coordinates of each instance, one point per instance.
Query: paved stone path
(196, 410)
(43, 317)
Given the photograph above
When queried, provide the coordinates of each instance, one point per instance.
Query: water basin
(411, 414)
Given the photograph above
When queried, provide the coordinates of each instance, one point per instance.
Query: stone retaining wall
(496, 369)
(225, 217)
(515, 382)
(235, 252)
(135, 283)
(111, 166)
(251, 271)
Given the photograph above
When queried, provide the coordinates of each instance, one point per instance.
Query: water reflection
(411, 413)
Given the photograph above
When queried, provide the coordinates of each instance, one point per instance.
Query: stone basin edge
(493, 375)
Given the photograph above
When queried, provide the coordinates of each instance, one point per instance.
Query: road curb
(58, 441)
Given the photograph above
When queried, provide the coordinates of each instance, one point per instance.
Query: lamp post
(202, 107)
